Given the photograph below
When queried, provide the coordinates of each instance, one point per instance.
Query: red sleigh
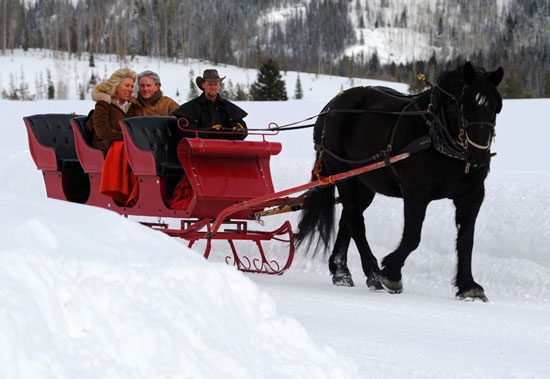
(230, 180)
(221, 173)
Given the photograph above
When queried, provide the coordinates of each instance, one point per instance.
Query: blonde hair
(108, 86)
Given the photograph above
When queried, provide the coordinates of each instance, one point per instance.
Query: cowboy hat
(210, 75)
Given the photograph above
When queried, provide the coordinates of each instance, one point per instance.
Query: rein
(282, 128)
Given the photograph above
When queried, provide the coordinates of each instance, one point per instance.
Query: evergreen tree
(439, 40)
(13, 91)
(546, 92)
(23, 90)
(240, 93)
(91, 62)
(92, 82)
(227, 91)
(374, 63)
(193, 91)
(298, 92)
(269, 84)
(512, 87)
(51, 88)
(403, 18)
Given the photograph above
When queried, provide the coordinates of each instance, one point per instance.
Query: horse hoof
(342, 281)
(374, 284)
(391, 286)
(473, 295)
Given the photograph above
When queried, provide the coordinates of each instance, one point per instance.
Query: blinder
(463, 146)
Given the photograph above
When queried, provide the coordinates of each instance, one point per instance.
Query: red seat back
(90, 158)
(52, 147)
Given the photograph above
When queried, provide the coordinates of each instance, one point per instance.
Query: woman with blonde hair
(114, 102)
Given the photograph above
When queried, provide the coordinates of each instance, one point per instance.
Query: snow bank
(86, 293)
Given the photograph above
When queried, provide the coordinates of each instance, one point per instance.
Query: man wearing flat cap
(210, 112)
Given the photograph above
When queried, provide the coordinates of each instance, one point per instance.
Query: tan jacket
(158, 105)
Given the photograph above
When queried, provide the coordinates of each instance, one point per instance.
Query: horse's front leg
(467, 209)
(415, 211)
(338, 261)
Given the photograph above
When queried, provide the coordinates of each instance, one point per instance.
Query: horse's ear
(496, 76)
(468, 73)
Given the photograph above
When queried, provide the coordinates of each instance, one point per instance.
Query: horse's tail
(317, 216)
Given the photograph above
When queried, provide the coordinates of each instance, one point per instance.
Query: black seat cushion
(54, 130)
(160, 135)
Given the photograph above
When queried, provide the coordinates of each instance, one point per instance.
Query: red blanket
(182, 194)
(117, 180)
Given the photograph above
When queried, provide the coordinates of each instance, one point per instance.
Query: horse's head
(475, 101)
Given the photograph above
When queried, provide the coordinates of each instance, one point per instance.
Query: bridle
(467, 141)
(464, 141)
(463, 133)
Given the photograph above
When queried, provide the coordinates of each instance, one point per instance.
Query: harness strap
(281, 128)
(291, 126)
(395, 113)
(419, 144)
(442, 139)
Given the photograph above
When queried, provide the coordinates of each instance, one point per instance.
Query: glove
(217, 127)
(238, 128)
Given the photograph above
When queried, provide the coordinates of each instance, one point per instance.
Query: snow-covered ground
(85, 293)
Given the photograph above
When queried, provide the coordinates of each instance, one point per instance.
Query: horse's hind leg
(338, 261)
(354, 204)
(415, 211)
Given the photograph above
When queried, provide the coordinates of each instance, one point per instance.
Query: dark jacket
(202, 114)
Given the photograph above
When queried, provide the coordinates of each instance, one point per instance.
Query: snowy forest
(338, 37)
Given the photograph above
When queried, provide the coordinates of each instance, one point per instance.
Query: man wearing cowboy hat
(210, 112)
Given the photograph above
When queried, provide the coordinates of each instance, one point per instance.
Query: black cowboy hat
(210, 75)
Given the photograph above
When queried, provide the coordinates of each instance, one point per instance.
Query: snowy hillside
(403, 31)
(387, 39)
(71, 75)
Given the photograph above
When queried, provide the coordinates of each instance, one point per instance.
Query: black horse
(448, 129)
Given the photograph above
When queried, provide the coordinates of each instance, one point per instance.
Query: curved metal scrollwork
(261, 263)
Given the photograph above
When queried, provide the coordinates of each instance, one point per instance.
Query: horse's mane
(453, 80)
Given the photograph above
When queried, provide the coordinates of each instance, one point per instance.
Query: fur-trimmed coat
(105, 118)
